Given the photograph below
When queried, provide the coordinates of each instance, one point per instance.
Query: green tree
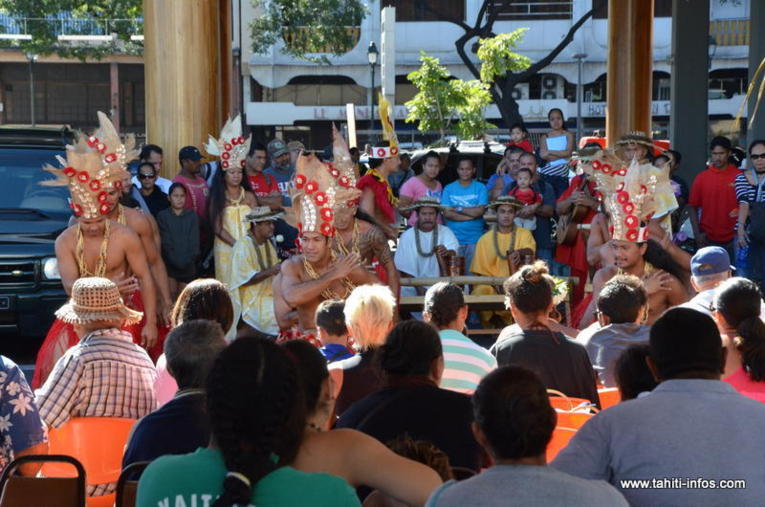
(308, 26)
(442, 100)
(85, 18)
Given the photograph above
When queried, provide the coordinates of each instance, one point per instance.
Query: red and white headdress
(389, 132)
(318, 187)
(94, 165)
(232, 148)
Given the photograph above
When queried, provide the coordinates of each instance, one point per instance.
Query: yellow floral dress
(233, 222)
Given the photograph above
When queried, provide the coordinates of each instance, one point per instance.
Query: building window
(532, 9)
(661, 9)
(427, 10)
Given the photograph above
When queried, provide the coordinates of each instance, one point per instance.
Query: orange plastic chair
(560, 439)
(98, 443)
(573, 420)
(609, 397)
(560, 401)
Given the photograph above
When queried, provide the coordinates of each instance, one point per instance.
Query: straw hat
(504, 200)
(426, 202)
(262, 214)
(96, 299)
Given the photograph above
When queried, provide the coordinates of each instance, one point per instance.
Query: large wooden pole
(185, 53)
(630, 59)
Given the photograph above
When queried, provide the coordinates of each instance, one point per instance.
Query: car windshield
(20, 176)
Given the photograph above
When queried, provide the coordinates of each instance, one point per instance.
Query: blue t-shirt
(543, 232)
(283, 177)
(335, 352)
(475, 194)
(506, 180)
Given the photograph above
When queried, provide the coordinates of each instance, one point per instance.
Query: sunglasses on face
(755, 156)
(145, 176)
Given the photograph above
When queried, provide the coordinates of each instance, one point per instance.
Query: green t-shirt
(197, 479)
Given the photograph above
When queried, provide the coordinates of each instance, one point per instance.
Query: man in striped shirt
(465, 362)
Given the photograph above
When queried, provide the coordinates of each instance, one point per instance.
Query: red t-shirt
(263, 185)
(714, 193)
(525, 145)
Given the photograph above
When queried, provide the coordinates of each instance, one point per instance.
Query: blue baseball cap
(710, 260)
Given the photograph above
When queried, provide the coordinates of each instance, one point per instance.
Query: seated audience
(205, 298)
(258, 419)
(105, 374)
(356, 457)
(737, 312)
(631, 373)
(710, 266)
(514, 423)
(369, 316)
(691, 426)
(561, 363)
(465, 362)
(411, 403)
(622, 309)
(180, 425)
(332, 331)
(22, 431)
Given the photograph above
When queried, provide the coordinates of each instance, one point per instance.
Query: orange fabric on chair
(560, 401)
(609, 397)
(98, 443)
(573, 420)
(560, 439)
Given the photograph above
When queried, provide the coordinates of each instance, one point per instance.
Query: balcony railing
(533, 10)
(67, 25)
(730, 32)
(300, 38)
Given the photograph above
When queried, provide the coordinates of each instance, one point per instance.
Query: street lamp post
(372, 55)
(579, 96)
(31, 57)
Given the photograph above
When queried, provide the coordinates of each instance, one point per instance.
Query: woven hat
(231, 147)
(636, 137)
(426, 202)
(318, 187)
(505, 199)
(96, 299)
(262, 214)
(93, 166)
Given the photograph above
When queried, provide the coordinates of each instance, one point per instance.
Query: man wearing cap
(423, 248)
(710, 266)
(500, 252)
(105, 374)
(254, 263)
(197, 190)
(281, 168)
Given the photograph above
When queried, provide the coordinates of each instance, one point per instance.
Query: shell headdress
(231, 147)
(93, 166)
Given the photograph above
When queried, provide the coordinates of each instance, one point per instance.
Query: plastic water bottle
(742, 260)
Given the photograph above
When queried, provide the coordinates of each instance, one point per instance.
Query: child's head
(330, 321)
(518, 133)
(523, 177)
(177, 196)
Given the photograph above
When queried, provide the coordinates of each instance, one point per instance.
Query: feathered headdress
(319, 187)
(232, 148)
(389, 133)
(94, 165)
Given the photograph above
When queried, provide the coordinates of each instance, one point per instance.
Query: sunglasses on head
(145, 176)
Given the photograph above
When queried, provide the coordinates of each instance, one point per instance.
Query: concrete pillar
(186, 59)
(688, 124)
(756, 55)
(630, 63)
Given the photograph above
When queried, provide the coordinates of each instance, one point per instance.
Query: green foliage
(498, 57)
(440, 100)
(84, 15)
(308, 26)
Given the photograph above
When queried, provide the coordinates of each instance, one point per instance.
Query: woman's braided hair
(257, 414)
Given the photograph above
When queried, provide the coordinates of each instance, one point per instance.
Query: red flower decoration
(94, 185)
(643, 189)
(300, 228)
(111, 157)
(606, 168)
(596, 165)
(326, 214)
(224, 164)
(77, 209)
(100, 146)
(631, 221)
(380, 152)
(632, 235)
(234, 141)
(326, 229)
(629, 208)
(354, 202)
(227, 146)
(240, 139)
(102, 197)
(70, 171)
(394, 151)
(620, 187)
(300, 181)
(311, 187)
(622, 197)
(242, 164)
(92, 141)
(343, 181)
(82, 176)
(622, 172)
(117, 184)
(320, 198)
(334, 172)
(225, 155)
(104, 209)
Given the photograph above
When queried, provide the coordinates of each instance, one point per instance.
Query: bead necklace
(329, 293)
(267, 247)
(432, 246)
(496, 243)
(340, 244)
(100, 270)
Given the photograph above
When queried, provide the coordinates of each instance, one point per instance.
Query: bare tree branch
(448, 19)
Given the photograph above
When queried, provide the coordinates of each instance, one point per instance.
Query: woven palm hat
(426, 202)
(262, 214)
(505, 199)
(636, 137)
(96, 299)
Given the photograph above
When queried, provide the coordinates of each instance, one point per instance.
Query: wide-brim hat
(426, 202)
(262, 214)
(505, 200)
(636, 137)
(96, 299)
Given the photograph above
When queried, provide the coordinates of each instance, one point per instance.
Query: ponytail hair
(530, 289)
(739, 302)
(257, 414)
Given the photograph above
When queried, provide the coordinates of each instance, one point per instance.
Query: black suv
(31, 217)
